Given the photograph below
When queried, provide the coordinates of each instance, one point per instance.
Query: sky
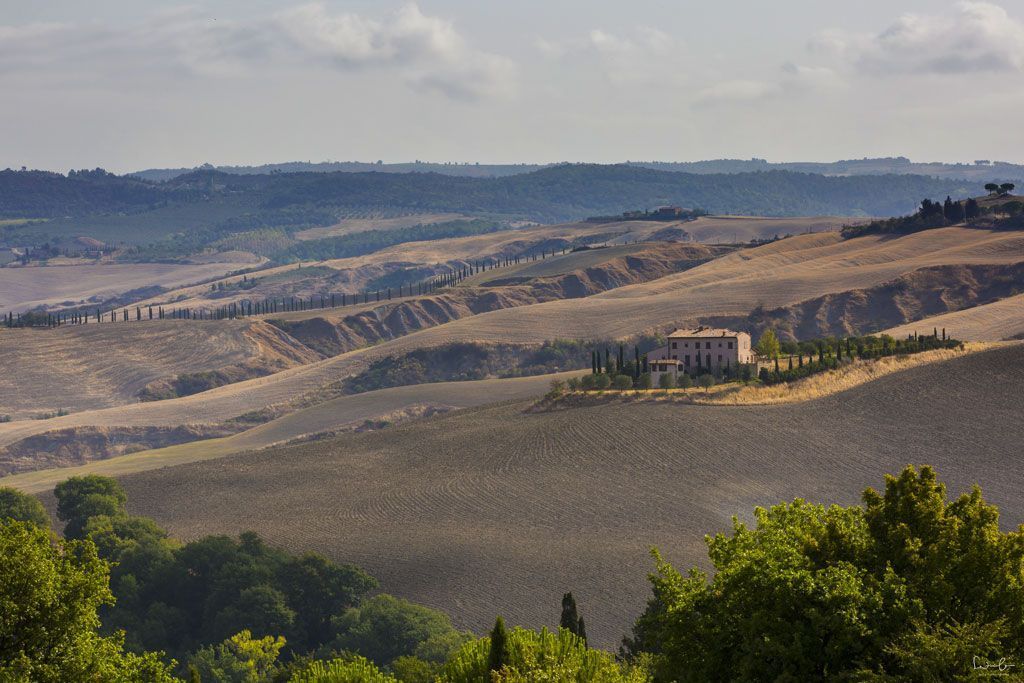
(133, 84)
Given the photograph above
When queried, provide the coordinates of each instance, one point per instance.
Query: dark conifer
(498, 656)
(570, 617)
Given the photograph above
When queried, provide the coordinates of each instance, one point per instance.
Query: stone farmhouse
(695, 352)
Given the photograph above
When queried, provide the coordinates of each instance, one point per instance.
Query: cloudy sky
(130, 84)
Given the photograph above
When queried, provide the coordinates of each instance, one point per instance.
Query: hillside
(497, 511)
(780, 274)
(981, 172)
(566, 192)
(96, 366)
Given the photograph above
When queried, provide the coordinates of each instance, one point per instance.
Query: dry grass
(497, 511)
(834, 381)
(1003, 319)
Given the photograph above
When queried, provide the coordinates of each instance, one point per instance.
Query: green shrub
(356, 670)
(622, 382)
(666, 381)
(602, 382)
(543, 656)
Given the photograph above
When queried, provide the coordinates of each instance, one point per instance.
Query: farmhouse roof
(705, 332)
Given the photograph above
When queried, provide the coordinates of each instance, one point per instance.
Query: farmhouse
(705, 349)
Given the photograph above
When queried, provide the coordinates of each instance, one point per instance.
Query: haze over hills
(980, 170)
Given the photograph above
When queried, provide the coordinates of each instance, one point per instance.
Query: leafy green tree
(622, 382)
(354, 670)
(602, 382)
(992, 188)
(80, 498)
(408, 669)
(1006, 188)
(768, 345)
(384, 628)
(239, 659)
(533, 656)
(666, 381)
(684, 381)
(21, 507)
(645, 381)
(50, 591)
(706, 381)
(896, 589)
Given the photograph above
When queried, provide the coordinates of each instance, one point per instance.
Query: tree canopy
(50, 594)
(907, 585)
(21, 507)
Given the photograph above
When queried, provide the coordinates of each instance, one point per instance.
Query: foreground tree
(532, 656)
(901, 588)
(50, 592)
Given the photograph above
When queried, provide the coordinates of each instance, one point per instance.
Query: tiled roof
(705, 332)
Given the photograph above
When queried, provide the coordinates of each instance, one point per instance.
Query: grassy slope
(497, 511)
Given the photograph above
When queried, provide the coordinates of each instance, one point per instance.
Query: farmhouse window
(674, 345)
(719, 358)
(730, 345)
(707, 345)
(687, 359)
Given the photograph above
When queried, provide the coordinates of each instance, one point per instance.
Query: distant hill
(982, 170)
(557, 193)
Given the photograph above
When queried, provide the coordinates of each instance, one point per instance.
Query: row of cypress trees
(247, 307)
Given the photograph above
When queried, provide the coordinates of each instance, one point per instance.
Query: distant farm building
(699, 351)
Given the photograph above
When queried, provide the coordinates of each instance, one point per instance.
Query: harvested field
(494, 510)
(1003, 319)
(24, 288)
(346, 412)
(747, 228)
(88, 367)
(348, 226)
(776, 274)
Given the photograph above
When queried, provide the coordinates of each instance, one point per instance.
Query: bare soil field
(497, 511)
(24, 288)
(351, 225)
(344, 413)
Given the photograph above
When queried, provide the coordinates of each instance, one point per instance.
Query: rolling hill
(496, 511)
(731, 287)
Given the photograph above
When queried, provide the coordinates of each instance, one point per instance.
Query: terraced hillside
(495, 510)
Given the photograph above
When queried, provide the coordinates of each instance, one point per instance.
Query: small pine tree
(498, 656)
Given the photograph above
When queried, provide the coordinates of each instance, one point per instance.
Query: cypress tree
(622, 360)
(636, 362)
(498, 656)
(581, 631)
(607, 361)
(570, 617)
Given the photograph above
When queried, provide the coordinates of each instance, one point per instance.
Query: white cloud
(737, 91)
(428, 52)
(646, 56)
(971, 37)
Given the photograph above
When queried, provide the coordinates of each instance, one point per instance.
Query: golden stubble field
(496, 510)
